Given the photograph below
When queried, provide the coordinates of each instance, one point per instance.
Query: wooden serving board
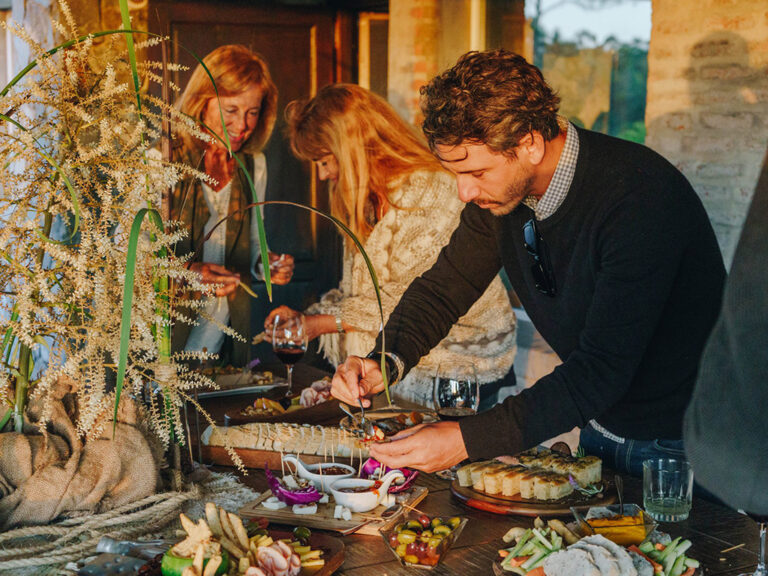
(253, 458)
(323, 519)
(517, 506)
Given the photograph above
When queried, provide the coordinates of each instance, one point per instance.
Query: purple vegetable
(370, 466)
(300, 496)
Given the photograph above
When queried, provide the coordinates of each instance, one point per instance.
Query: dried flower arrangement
(78, 171)
(89, 281)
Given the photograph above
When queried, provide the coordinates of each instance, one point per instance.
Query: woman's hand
(214, 274)
(280, 268)
(283, 312)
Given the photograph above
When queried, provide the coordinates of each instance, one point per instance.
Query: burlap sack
(44, 476)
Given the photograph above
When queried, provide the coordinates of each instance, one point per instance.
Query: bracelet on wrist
(339, 325)
(392, 363)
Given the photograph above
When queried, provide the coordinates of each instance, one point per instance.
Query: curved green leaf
(125, 323)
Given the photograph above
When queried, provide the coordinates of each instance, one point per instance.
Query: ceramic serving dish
(361, 495)
(322, 475)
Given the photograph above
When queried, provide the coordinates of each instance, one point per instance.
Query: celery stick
(647, 547)
(542, 539)
(535, 558)
(678, 567)
(683, 547)
(691, 563)
(669, 549)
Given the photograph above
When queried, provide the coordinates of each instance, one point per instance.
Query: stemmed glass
(456, 394)
(289, 341)
(456, 391)
(760, 570)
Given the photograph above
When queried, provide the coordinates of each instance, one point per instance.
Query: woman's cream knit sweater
(404, 244)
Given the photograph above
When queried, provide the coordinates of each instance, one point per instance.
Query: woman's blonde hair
(374, 148)
(234, 69)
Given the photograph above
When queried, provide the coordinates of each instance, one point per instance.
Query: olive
(302, 534)
(399, 528)
(436, 522)
(412, 548)
(454, 522)
(434, 543)
(414, 525)
(442, 529)
(393, 541)
(400, 550)
(424, 520)
(411, 559)
(406, 537)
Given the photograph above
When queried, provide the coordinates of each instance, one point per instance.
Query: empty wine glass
(289, 341)
(760, 570)
(456, 393)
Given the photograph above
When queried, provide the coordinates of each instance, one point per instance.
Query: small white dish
(316, 473)
(360, 495)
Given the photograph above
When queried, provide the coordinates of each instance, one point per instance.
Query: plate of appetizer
(537, 482)
(220, 543)
(389, 421)
(556, 549)
(312, 405)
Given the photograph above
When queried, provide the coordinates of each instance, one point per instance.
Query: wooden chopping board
(323, 519)
(515, 505)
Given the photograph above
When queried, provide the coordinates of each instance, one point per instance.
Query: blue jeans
(625, 454)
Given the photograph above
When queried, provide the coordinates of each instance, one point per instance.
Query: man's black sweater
(639, 281)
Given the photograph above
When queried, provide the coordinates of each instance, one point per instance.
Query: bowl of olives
(421, 541)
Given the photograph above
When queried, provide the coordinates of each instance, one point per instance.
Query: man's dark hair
(494, 98)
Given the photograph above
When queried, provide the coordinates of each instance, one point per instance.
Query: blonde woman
(247, 101)
(389, 189)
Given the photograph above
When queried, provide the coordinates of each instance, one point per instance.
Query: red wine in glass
(289, 341)
(456, 413)
(289, 355)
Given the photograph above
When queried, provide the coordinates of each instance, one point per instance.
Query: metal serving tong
(363, 427)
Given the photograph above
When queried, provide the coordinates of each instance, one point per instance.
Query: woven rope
(73, 539)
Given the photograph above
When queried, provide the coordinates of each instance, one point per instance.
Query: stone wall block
(729, 122)
(718, 170)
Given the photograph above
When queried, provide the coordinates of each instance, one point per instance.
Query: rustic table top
(711, 527)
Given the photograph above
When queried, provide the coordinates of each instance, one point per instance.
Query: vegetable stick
(240, 533)
(212, 566)
(197, 563)
(212, 516)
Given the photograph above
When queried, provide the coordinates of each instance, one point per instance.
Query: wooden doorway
(304, 50)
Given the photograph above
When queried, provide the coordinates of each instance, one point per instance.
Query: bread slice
(465, 472)
(493, 479)
(478, 473)
(603, 559)
(587, 470)
(570, 562)
(626, 566)
(510, 483)
(528, 483)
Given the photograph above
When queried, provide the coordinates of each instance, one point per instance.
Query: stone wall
(707, 109)
(89, 16)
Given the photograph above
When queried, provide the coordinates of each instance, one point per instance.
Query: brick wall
(707, 108)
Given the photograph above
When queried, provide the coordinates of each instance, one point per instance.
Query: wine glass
(760, 570)
(456, 391)
(289, 341)
(456, 394)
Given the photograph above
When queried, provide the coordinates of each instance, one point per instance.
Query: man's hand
(280, 268)
(428, 447)
(357, 378)
(215, 274)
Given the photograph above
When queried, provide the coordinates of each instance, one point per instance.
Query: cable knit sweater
(404, 244)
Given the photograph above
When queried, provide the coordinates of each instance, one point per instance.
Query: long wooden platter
(253, 458)
(323, 519)
(517, 506)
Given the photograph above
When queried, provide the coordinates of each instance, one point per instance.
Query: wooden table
(711, 527)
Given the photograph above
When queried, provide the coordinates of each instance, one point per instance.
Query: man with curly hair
(608, 248)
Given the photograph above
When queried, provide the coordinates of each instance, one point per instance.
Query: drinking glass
(289, 341)
(456, 391)
(667, 489)
(760, 570)
(456, 394)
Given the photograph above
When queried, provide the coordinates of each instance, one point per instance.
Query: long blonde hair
(374, 148)
(234, 68)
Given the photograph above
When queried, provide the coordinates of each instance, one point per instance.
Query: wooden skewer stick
(404, 505)
(732, 548)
